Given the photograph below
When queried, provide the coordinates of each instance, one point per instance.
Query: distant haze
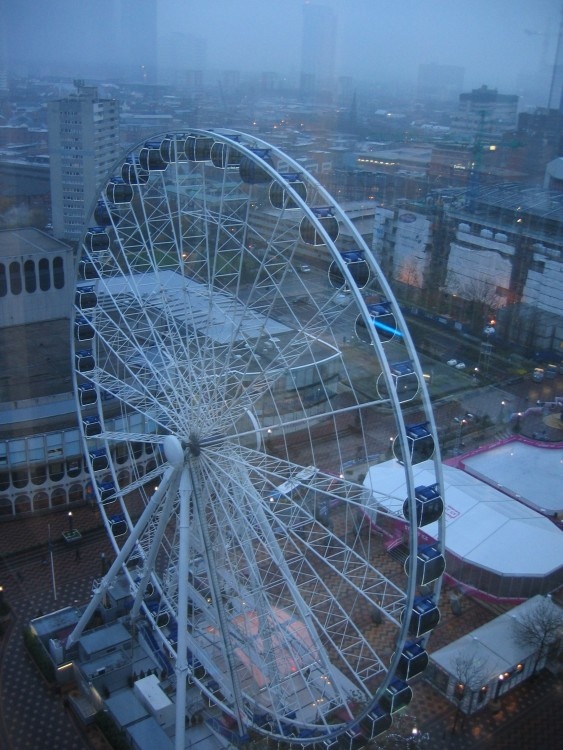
(500, 43)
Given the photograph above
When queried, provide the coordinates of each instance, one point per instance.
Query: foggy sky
(495, 41)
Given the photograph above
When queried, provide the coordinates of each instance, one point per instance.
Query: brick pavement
(530, 716)
(32, 532)
(32, 715)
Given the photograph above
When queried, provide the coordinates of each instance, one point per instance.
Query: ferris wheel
(239, 363)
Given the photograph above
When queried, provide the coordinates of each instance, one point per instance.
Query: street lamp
(460, 422)
(70, 526)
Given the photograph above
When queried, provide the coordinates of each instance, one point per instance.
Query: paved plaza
(529, 717)
(33, 716)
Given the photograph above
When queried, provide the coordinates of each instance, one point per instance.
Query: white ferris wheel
(239, 362)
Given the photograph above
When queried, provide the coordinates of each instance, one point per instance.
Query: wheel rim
(217, 359)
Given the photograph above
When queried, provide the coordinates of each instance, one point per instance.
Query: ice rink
(528, 472)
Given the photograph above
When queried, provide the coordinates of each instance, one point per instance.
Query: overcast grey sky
(496, 41)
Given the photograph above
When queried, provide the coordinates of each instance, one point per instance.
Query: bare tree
(471, 674)
(409, 273)
(540, 629)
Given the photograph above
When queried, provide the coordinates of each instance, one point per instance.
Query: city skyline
(505, 45)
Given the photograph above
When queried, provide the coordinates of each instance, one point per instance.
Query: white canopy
(483, 525)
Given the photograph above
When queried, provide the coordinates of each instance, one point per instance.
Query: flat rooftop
(484, 526)
(529, 472)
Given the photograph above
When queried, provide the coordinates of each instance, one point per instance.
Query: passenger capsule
(356, 265)
(430, 564)
(118, 525)
(83, 329)
(413, 660)
(106, 214)
(106, 492)
(84, 360)
(119, 191)
(198, 147)
(225, 156)
(92, 426)
(85, 298)
(280, 196)
(87, 394)
(87, 270)
(173, 148)
(133, 173)
(98, 459)
(251, 171)
(310, 231)
(420, 443)
(96, 240)
(376, 721)
(397, 696)
(150, 157)
(424, 616)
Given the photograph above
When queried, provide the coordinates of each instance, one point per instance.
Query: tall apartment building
(83, 144)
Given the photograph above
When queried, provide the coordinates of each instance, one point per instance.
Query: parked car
(538, 374)
(550, 371)
(305, 268)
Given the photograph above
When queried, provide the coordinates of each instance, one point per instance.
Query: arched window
(44, 275)
(29, 276)
(3, 282)
(40, 501)
(73, 467)
(22, 504)
(38, 473)
(20, 478)
(75, 493)
(58, 497)
(4, 480)
(58, 273)
(15, 277)
(56, 471)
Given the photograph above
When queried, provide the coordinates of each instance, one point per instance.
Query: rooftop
(514, 466)
(484, 526)
(30, 241)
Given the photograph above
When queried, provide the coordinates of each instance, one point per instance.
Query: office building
(485, 113)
